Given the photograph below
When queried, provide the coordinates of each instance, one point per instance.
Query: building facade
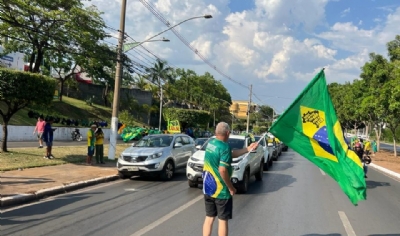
(239, 108)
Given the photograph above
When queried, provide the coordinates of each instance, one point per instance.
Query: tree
(266, 112)
(43, 27)
(149, 109)
(19, 90)
(390, 98)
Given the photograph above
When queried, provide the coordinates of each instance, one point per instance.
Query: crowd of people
(95, 137)
(363, 149)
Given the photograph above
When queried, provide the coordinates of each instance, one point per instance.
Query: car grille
(198, 167)
(135, 159)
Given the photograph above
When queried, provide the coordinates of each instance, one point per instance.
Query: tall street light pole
(248, 109)
(117, 86)
(192, 18)
(118, 75)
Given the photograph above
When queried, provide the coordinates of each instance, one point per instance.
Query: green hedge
(187, 117)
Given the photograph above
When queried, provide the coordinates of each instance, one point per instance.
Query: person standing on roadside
(217, 186)
(91, 138)
(99, 135)
(48, 138)
(40, 129)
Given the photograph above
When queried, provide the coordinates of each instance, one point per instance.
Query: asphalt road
(55, 143)
(295, 198)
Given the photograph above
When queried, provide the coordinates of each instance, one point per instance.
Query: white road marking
(131, 189)
(322, 172)
(346, 223)
(65, 194)
(167, 217)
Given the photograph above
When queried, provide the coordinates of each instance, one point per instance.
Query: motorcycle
(76, 135)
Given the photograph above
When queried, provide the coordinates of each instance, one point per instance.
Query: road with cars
(294, 198)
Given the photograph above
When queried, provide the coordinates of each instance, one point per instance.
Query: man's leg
(223, 227)
(208, 225)
(40, 137)
(211, 213)
(225, 209)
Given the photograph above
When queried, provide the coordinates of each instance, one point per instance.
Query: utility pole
(117, 86)
(161, 105)
(248, 109)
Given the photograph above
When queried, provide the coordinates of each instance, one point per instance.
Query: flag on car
(311, 128)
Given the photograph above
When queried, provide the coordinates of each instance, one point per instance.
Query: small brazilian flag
(310, 127)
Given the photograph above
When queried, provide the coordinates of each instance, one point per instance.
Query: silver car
(158, 154)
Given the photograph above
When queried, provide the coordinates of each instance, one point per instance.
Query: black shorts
(219, 207)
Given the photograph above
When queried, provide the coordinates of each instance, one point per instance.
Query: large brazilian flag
(311, 128)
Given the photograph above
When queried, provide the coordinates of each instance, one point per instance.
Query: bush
(187, 117)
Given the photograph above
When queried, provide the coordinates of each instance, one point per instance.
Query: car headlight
(154, 156)
(194, 159)
(236, 167)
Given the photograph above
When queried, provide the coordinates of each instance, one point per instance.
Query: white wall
(12, 60)
(25, 133)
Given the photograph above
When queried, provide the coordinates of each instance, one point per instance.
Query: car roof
(168, 135)
(235, 136)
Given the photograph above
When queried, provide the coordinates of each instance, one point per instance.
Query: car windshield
(200, 141)
(155, 141)
(233, 143)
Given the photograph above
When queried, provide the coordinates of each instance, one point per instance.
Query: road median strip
(47, 192)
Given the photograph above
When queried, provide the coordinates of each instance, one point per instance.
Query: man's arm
(223, 171)
(238, 153)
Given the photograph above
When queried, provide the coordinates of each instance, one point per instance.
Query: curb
(386, 171)
(47, 192)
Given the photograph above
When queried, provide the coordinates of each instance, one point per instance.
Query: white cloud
(275, 42)
(345, 12)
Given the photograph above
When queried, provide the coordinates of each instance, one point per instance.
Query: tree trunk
(105, 93)
(394, 146)
(31, 61)
(60, 94)
(378, 133)
(355, 129)
(38, 61)
(5, 135)
(148, 118)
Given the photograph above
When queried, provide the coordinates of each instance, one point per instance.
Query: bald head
(222, 129)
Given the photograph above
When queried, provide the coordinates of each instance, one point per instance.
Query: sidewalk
(20, 186)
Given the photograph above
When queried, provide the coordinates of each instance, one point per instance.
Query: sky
(278, 46)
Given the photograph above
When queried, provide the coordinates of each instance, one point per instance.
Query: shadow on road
(280, 166)
(180, 176)
(373, 184)
(41, 209)
(277, 182)
(25, 180)
(321, 235)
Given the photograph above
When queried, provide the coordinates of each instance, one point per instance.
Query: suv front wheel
(168, 171)
(260, 173)
(244, 184)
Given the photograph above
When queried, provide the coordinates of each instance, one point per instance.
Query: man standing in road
(217, 186)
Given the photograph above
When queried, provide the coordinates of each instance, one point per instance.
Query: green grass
(69, 108)
(33, 157)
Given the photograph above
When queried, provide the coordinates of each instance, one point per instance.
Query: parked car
(268, 151)
(198, 142)
(158, 154)
(244, 166)
(276, 146)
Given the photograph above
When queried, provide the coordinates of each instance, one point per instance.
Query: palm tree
(160, 74)
(141, 83)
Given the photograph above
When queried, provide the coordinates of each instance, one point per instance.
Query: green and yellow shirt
(218, 153)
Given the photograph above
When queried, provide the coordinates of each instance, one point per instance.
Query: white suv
(244, 166)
